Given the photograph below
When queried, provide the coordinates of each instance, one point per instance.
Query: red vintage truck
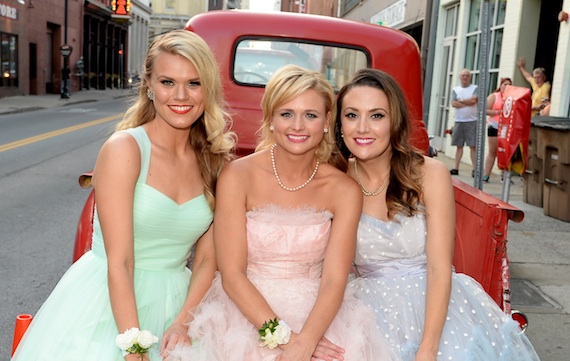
(249, 47)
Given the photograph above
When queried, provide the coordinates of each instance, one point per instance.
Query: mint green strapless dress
(76, 322)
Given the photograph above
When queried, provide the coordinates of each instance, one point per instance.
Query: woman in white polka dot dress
(406, 235)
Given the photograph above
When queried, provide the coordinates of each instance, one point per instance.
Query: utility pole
(482, 95)
(65, 51)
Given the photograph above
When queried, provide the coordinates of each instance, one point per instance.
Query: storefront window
(474, 13)
(451, 22)
(501, 11)
(9, 60)
(497, 10)
(471, 52)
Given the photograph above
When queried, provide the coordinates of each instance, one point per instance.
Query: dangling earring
(150, 94)
(341, 134)
(271, 128)
(326, 130)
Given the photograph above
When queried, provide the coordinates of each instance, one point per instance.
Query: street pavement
(538, 247)
(24, 103)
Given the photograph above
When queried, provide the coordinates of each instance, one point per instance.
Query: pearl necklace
(279, 179)
(365, 191)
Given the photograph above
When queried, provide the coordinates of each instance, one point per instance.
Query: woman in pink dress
(285, 241)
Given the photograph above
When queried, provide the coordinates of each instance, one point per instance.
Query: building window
(348, 5)
(446, 80)
(9, 60)
(497, 10)
(170, 4)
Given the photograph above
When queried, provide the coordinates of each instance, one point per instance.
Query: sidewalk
(24, 103)
(539, 258)
(494, 186)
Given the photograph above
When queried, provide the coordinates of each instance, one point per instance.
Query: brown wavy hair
(404, 192)
(209, 136)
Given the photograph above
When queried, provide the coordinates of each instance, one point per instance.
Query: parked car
(249, 47)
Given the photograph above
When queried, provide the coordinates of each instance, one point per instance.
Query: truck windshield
(255, 61)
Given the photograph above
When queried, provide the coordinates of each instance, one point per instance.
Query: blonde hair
(209, 135)
(285, 85)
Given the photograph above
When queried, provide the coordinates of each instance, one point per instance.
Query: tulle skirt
(221, 333)
(76, 322)
(476, 329)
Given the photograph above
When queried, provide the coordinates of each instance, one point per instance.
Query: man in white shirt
(464, 100)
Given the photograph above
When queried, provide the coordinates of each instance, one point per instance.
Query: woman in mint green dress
(154, 183)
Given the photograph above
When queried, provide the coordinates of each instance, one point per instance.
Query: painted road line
(37, 138)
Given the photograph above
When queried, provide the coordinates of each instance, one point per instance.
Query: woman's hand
(327, 351)
(137, 357)
(175, 335)
(425, 354)
(297, 349)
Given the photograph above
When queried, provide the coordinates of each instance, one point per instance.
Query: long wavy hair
(404, 192)
(209, 136)
(286, 84)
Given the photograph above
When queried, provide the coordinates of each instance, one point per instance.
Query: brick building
(105, 36)
(32, 33)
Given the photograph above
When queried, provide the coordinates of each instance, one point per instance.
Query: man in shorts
(464, 100)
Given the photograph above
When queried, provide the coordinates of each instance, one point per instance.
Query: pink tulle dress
(286, 249)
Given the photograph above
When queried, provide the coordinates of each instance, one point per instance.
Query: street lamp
(65, 51)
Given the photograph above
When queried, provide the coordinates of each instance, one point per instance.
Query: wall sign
(7, 11)
(121, 7)
(391, 16)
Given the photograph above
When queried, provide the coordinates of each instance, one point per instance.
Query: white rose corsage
(135, 341)
(274, 333)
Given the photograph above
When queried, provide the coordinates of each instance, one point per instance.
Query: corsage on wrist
(274, 333)
(135, 341)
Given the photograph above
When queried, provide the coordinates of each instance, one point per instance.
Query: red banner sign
(514, 129)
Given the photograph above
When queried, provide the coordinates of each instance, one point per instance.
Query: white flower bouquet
(135, 341)
(273, 333)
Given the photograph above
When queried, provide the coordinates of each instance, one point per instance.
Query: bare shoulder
(341, 182)
(120, 150)
(242, 169)
(435, 174)
(119, 159)
(340, 193)
(121, 143)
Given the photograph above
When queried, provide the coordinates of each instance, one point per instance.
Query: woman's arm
(440, 208)
(231, 244)
(490, 101)
(114, 179)
(337, 264)
(203, 270)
